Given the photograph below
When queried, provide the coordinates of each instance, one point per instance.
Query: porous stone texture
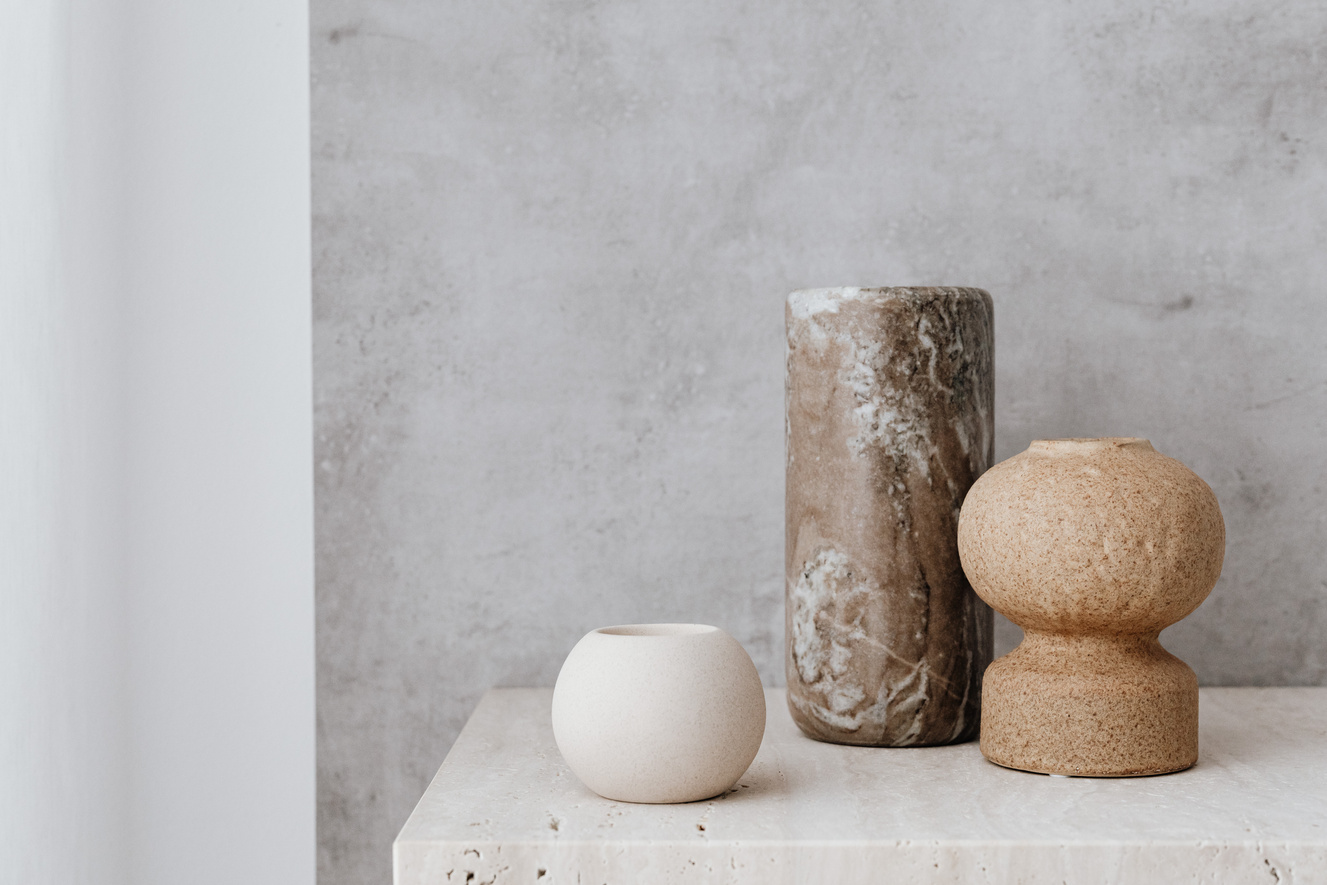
(1092, 546)
(504, 809)
(890, 399)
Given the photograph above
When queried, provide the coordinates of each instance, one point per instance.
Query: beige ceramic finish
(658, 713)
(1092, 546)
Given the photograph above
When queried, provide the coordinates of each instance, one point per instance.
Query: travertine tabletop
(504, 808)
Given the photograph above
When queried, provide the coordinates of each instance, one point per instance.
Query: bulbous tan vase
(1092, 546)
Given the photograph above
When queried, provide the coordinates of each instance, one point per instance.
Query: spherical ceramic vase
(1092, 546)
(658, 713)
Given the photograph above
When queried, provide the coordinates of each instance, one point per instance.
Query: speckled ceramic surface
(658, 713)
(890, 419)
(1092, 546)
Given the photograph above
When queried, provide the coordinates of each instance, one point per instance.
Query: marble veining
(828, 606)
(889, 421)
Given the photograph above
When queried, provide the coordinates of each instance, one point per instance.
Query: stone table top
(505, 808)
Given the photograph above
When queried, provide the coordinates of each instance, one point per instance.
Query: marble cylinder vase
(890, 419)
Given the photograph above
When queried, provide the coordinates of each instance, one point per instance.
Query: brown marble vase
(1092, 546)
(890, 400)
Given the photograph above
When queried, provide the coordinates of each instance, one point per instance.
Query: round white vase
(658, 713)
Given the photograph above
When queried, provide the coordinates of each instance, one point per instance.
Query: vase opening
(1089, 444)
(656, 630)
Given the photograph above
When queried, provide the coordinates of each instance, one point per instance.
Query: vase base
(1133, 713)
(1112, 774)
(899, 733)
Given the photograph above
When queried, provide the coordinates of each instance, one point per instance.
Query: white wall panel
(220, 577)
(156, 586)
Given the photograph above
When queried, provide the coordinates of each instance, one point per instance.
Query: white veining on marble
(887, 415)
(806, 303)
(828, 606)
(827, 610)
(890, 414)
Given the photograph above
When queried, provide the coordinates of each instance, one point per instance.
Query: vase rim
(656, 630)
(806, 303)
(857, 291)
(1081, 444)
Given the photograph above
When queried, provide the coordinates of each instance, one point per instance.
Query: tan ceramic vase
(1092, 546)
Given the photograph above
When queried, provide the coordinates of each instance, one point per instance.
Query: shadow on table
(758, 783)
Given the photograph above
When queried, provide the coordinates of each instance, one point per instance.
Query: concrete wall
(551, 245)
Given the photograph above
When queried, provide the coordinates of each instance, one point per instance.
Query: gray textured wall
(552, 241)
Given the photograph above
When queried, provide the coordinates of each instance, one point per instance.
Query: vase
(658, 713)
(890, 411)
(1092, 546)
